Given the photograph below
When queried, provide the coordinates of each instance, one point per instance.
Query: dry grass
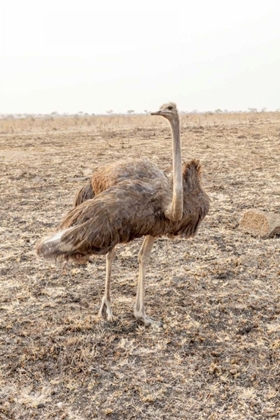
(217, 356)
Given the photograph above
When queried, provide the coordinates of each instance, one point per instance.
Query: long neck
(177, 198)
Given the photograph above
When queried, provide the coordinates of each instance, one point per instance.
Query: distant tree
(263, 109)
(109, 112)
(130, 111)
(218, 111)
(252, 109)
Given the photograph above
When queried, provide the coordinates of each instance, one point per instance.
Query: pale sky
(96, 55)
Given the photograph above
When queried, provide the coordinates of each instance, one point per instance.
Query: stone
(260, 223)
(87, 172)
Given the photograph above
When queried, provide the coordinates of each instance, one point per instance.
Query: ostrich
(127, 200)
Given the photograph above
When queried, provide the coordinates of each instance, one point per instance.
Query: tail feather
(86, 230)
(58, 245)
(85, 193)
(50, 247)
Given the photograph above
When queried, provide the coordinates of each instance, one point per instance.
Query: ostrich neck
(177, 198)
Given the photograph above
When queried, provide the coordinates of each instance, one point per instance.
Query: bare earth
(218, 353)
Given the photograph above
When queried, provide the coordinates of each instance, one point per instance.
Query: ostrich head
(168, 111)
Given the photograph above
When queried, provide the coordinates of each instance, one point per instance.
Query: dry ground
(218, 354)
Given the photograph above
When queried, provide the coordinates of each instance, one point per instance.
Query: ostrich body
(127, 200)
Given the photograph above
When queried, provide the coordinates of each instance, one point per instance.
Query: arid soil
(218, 353)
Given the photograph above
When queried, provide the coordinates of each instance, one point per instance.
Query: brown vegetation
(217, 356)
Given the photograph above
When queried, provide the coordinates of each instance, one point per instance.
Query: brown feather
(85, 193)
(128, 210)
(130, 169)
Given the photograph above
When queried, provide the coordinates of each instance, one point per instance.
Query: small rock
(260, 223)
(87, 172)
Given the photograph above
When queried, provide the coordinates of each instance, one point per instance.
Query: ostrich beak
(156, 113)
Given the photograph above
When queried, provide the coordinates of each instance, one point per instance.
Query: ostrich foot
(147, 320)
(105, 307)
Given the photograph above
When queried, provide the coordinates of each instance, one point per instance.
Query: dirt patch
(218, 354)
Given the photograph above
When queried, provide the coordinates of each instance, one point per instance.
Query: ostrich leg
(143, 256)
(106, 298)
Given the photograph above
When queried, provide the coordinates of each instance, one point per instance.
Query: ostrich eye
(170, 108)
